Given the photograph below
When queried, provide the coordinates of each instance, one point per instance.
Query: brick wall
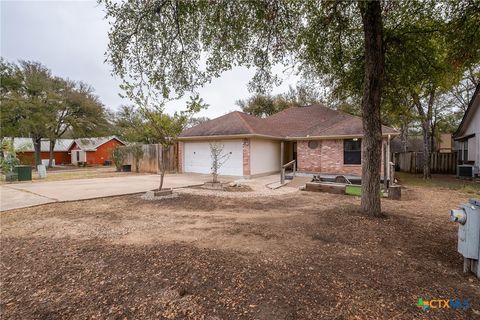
(326, 158)
(28, 158)
(246, 157)
(309, 159)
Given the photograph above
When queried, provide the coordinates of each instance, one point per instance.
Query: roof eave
(346, 136)
(230, 136)
(467, 115)
(240, 136)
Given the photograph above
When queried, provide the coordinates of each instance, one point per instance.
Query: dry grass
(438, 181)
(298, 256)
(71, 173)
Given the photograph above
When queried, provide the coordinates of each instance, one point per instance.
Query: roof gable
(91, 144)
(300, 122)
(472, 110)
(234, 123)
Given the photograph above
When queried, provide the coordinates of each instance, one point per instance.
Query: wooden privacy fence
(412, 162)
(152, 159)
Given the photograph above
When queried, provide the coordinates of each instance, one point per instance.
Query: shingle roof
(309, 121)
(91, 144)
(26, 144)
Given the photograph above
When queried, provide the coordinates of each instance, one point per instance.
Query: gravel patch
(256, 193)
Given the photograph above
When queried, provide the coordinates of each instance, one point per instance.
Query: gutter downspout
(388, 162)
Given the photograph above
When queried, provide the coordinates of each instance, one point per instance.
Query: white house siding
(82, 156)
(474, 142)
(197, 158)
(264, 156)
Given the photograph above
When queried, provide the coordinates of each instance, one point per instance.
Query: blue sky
(70, 38)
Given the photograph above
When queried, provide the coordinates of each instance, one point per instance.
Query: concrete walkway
(27, 194)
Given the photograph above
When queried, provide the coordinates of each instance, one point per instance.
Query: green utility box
(356, 190)
(353, 189)
(24, 173)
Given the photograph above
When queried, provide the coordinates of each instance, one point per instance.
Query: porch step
(298, 182)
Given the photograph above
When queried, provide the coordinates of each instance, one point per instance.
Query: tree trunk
(426, 149)
(432, 138)
(162, 167)
(404, 136)
(372, 86)
(51, 154)
(426, 118)
(38, 149)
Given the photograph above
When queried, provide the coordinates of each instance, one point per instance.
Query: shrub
(118, 156)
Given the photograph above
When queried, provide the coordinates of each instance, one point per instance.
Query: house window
(352, 151)
(463, 151)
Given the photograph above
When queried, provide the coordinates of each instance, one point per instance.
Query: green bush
(118, 157)
(9, 159)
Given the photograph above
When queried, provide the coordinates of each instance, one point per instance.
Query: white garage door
(198, 159)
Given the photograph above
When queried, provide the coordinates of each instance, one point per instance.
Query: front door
(294, 150)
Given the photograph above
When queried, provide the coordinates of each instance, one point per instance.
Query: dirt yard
(296, 256)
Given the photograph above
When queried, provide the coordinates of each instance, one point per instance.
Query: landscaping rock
(163, 192)
(150, 195)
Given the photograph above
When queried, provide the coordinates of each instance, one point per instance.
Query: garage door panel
(198, 158)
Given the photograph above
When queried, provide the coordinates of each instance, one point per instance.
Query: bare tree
(218, 159)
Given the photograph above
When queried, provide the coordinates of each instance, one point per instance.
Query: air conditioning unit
(467, 171)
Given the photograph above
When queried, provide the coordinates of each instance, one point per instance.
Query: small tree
(136, 150)
(218, 159)
(9, 159)
(164, 129)
(118, 156)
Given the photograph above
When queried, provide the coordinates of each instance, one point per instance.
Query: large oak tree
(36, 104)
(171, 47)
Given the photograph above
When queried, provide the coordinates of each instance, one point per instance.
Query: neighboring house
(94, 151)
(26, 153)
(321, 140)
(467, 136)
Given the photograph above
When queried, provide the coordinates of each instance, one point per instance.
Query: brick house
(319, 139)
(94, 151)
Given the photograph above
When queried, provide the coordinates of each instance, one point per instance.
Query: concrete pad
(23, 195)
(14, 199)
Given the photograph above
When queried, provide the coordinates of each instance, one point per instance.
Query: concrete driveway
(27, 194)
